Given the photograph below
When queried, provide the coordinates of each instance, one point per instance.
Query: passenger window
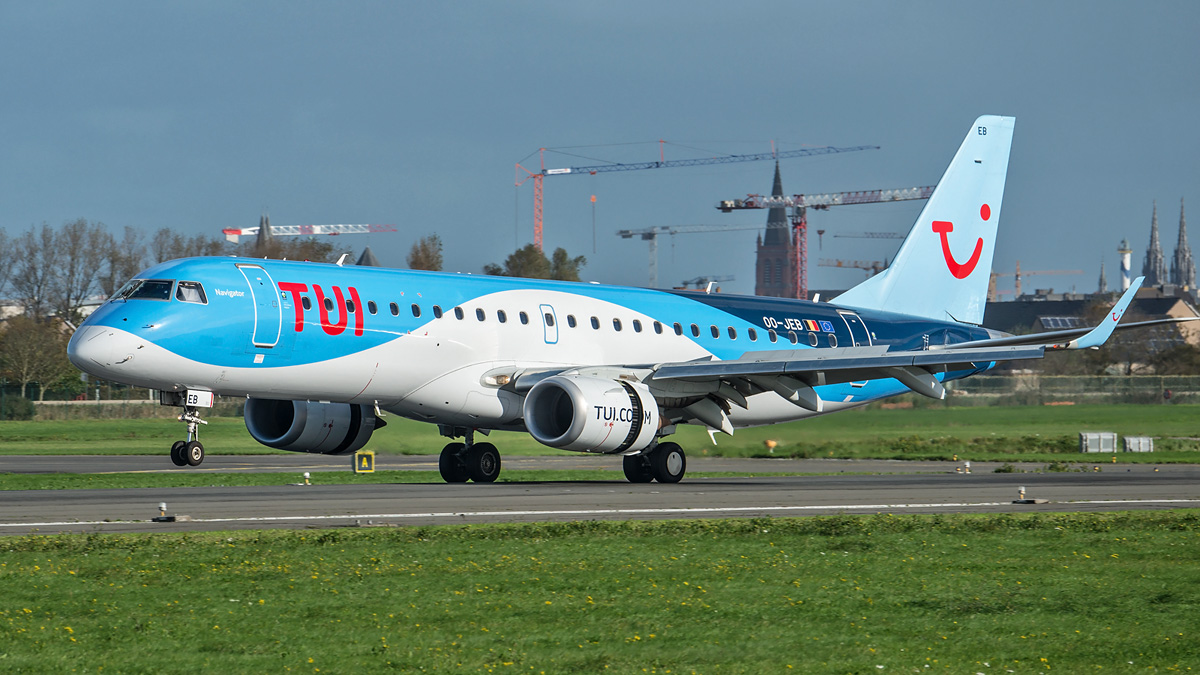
(328, 305)
(732, 333)
(571, 320)
(832, 340)
(416, 310)
(549, 320)
(617, 325)
(716, 332)
(637, 326)
(306, 302)
(372, 307)
(812, 339)
(678, 328)
(191, 291)
(772, 334)
(501, 316)
(458, 313)
(437, 311)
(395, 309)
(792, 337)
(524, 318)
(695, 330)
(595, 323)
(658, 328)
(752, 334)
(479, 314)
(350, 306)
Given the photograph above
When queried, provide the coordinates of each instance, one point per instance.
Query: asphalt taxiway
(846, 487)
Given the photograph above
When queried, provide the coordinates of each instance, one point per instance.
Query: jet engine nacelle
(591, 414)
(308, 426)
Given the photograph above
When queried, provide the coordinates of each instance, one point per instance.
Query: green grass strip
(1113, 592)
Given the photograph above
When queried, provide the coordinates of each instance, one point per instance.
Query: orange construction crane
(663, 163)
(800, 205)
(993, 294)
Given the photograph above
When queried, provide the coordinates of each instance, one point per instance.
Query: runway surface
(903, 487)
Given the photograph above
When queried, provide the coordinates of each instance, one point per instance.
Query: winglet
(1100, 334)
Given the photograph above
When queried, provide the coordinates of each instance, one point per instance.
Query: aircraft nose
(91, 348)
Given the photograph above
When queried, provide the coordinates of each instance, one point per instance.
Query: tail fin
(943, 267)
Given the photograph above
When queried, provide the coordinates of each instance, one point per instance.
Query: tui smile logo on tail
(960, 270)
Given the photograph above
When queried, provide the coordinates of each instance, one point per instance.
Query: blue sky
(198, 116)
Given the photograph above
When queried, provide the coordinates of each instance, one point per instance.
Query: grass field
(1000, 433)
(961, 594)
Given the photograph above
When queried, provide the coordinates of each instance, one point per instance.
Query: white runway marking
(603, 512)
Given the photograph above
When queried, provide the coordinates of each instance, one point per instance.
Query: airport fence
(1036, 389)
(111, 401)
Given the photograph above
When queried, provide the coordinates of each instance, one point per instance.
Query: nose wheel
(189, 452)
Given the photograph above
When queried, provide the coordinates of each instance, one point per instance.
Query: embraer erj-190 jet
(319, 350)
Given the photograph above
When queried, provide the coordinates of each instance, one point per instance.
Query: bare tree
(33, 350)
(81, 253)
(169, 245)
(35, 258)
(123, 259)
(426, 254)
(6, 263)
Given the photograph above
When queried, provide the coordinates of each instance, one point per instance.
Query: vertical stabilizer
(943, 267)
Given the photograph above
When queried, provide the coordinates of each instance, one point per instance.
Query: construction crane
(542, 172)
(232, 234)
(706, 281)
(651, 235)
(993, 294)
(873, 267)
(800, 205)
(871, 235)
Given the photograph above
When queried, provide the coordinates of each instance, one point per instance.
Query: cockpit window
(145, 289)
(191, 291)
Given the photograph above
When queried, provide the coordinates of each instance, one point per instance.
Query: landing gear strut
(665, 463)
(189, 452)
(459, 462)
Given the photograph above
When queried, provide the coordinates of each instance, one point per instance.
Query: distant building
(1183, 267)
(1153, 268)
(773, 269)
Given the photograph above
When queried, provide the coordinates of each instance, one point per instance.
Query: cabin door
(268, 314)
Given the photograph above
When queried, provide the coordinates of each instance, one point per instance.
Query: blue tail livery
(319, 351)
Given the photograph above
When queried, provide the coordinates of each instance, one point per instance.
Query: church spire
(777, 222)
(1103, 278)
(1183, 267)
(1154, 268)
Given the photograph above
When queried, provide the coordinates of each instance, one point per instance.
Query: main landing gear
(665, 463)
(189, 452)
(460, 462)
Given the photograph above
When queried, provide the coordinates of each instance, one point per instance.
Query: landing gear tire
(668, 463)
(177, 457)
(193, 453)
(637, 468)
(450, 464)
(483, 462)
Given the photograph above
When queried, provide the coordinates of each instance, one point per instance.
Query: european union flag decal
(827, 326)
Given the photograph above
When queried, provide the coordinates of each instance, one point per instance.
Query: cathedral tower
(1154, 269)
(773, 267)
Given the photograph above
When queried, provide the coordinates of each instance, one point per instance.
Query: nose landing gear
(189, 452)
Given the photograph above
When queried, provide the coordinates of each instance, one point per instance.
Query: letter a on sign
(364, 461)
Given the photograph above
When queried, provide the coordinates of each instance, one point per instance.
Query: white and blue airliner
(319, 350)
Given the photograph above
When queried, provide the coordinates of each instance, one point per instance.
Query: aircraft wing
(794, 373)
